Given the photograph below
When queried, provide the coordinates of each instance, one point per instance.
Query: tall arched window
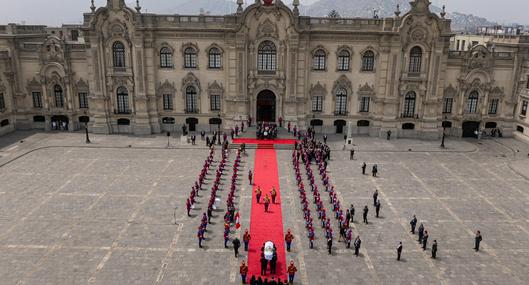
(409, 105)
(267, 56)
(368, 61)
(341, 102)
(472, 103)
(166, 57)
(190, 58)
(118, 54)
(344, 59)
(318, 60)
(123, 100)
(415, 60)
(58, 96)
(191, 100)
(214, 58)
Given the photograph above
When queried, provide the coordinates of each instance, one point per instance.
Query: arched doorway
(469, 129)
(266, 106)
(339, 126)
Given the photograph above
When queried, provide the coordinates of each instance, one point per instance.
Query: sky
(56, 12)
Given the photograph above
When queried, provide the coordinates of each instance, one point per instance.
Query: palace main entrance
(266, 106)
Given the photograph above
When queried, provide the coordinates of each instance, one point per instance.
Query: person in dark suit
(329, 244)
(366, 210)
(478, 240)
(399, 250)
(357, 244)
(264, 264)
(424, 240)
(413, 224)
(434, 249)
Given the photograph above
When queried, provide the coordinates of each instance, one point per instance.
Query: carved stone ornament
(52, 50)
(165, 88)
(267, 29)
(317, 90)
(342, 82)
(450, 91)
(366, 89)
(190, 80)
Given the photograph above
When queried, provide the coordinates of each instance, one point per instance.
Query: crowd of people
(266, 131)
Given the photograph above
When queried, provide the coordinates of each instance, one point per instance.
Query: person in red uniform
(243, 269)
(246, 239)
(288, 239)
(291, 272)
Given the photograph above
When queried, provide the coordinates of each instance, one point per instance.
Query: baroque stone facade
(125, 71)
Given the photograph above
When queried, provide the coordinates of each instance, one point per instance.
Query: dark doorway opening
(490, 125)
(339, 126)
(266, 106)
(192, 122)
(469, 129)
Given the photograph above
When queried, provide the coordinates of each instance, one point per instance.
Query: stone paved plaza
(105, 214)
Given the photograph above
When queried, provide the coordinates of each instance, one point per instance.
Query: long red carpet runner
(266, 226)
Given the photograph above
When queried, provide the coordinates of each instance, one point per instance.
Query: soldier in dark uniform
(366, 210)
(399, 250)
(375, 197)
(236, 244)
(352, 211)
(357, 244)
(424, 240)
(329, 244)
(364, 165)
(413, 223)
(377, 208)
(434, 249)
(478, 240)
(421, 233)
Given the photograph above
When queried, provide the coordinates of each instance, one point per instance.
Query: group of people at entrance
(266, 131)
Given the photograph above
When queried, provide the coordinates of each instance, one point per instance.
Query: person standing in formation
(357, 244)
(413, 223)
(375, 197)
(364, 165)
(236, 244)
(291, 272)
(243, 270)
(424, 240)
(352, 211)
(258, 194)
(478, 240)
(377, 208)
(266, 202)
(366, 210)
(246, 239)
(421, 233)
(273, 194)
(250, 176)
(434, 249)
(399, 250)
(288, 239)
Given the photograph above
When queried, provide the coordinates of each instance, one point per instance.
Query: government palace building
(126, 71)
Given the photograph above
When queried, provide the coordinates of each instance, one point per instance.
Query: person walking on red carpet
(273, 194)
(258, 194)
(266, 202)
(246, 239)
(288, 239)
(291, 272)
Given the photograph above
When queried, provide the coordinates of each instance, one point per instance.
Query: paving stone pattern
(72, 215)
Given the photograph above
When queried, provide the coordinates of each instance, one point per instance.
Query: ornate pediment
(450, 91)
(267, 29)
(34, 85)
(318, 89)
(82, 85)
(52, 50)
(165, 87)
(215, 86)
(342, 82)
(190, 80)
(366, 89)
(497, 91)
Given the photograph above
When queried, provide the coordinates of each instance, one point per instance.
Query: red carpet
(265, 142)
(266, 226)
